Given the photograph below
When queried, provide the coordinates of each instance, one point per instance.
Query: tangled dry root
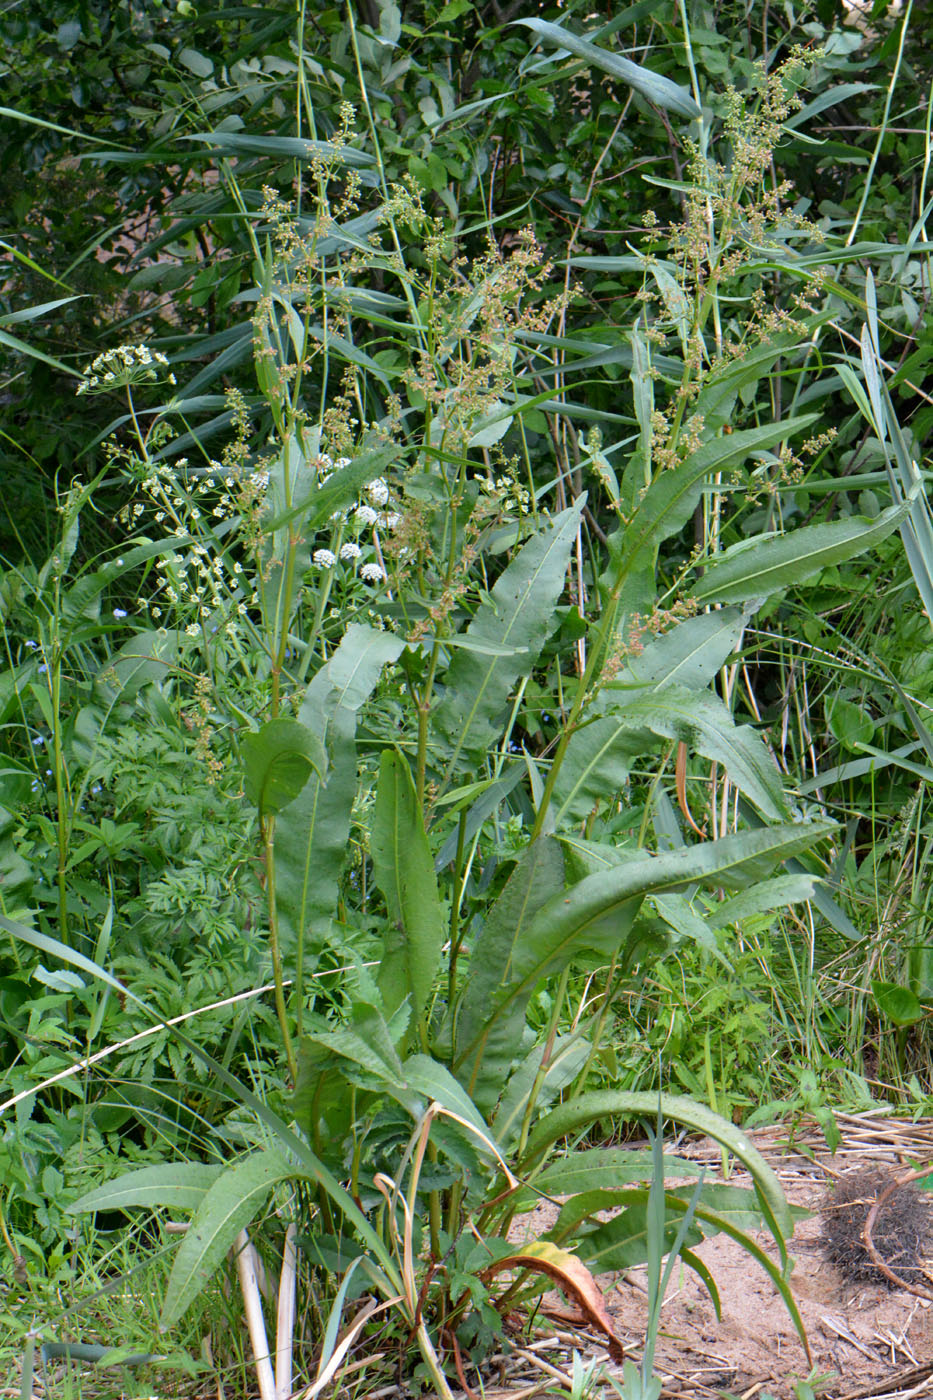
(900, 1232)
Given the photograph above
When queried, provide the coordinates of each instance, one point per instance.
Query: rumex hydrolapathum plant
(465, 585)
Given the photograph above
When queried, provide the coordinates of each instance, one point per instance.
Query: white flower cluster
(127, 364)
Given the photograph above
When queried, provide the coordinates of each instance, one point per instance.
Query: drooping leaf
(689, 655)
(404, 871)
(776, 893)
(572, 1277)
(606, 1168)
(520, 614)
(596, 764)
(699, 719)
(599, 914)
(588, 1108)
(666, 506)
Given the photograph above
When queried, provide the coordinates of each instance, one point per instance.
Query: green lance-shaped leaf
(596, 764)
(589, 1108)
(520, 615)
(653, 86)
(667, 505)
(598, 914)
(277, 762)
(312, 832)
(760, 899)
(486, 1048)
(404, 871)
(177, 1185)
(227, 1208)
(761, 567)
(690, 655)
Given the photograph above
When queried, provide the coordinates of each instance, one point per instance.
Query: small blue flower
(37, 741)
(31, 645)
(48, 772)
(36, 785)
(119, 612)
(42, 669)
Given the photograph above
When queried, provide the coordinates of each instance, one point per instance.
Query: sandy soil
(870, 1339)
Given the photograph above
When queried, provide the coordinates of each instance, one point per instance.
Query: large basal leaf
(485, 1048)
(653, 86)
(607, 1168)
(227, 1208)
(404, 872)
(622, 1241)
(757, 568)
(598, 914)
(176, 1185)
(277, 762)
(312, 832)
(589, 1108)
(521, 614)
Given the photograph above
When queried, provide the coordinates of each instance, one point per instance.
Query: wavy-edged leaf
(176, 1185)
(757, 568)
(777, 893)
(656, 88)
(667, 505)
(596, 765)
(404, 871)
(607, 1168)
(229, 1205)
(689, 655)
(699, 719)
(520, 614)
(568, 1056)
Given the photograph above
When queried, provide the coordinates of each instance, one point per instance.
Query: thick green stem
(268, 832)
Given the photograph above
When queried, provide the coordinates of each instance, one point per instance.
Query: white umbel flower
(365, 515)
(378, 491)
(372, 573)
(350, 550)
(324, 558)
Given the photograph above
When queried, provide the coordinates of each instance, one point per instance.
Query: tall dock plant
(382, 563)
